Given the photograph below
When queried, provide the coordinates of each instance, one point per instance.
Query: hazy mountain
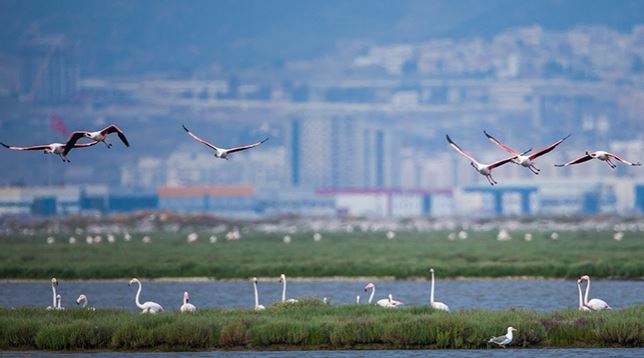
(125, 37)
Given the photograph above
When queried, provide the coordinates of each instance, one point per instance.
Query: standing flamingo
(601, 155)
(373, 291)
(147, 307)
(54, 283)
(283, 281)
(82, 301)
(436, 305)
(483, 169)
(53, 148)
(258, 307)
(98, 136)
(187, 306)
(594, 304)
(59, 302)
(582, 307)
(222, 152)
(524, 159)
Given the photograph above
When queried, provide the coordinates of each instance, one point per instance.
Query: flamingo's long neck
(53, 288)
(256, 295)
(185, 300)
(284, 289)
(587, 292)
(84, 302)
(431, 292)
(138, 294)
(581, 302)
(373, 292)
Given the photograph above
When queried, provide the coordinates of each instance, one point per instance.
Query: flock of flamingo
(520, 158)
(585, 304)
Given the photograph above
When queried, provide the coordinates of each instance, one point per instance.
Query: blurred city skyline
(356, 97)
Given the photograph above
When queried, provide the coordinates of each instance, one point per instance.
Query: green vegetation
(408, 255)
(310, 324)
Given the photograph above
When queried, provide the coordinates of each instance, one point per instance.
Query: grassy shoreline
(355, 255)
(310, 325)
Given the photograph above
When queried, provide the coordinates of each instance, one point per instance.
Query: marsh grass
(338, 254)
(310, 324)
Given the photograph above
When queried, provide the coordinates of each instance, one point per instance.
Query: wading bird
(283, 281)
(98, 136)
(594, 304)
(147, 307)
(524, 159)
(82, 301)
(483, 169)
(388, 302)
(53, 148)
(54, 283)
(582, 307)
(223, 152)
(258, 307)
(601, 155)
(436, 305)
(503, 340)
(187, 306)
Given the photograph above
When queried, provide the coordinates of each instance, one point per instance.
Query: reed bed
(357, 254)
(311, 324)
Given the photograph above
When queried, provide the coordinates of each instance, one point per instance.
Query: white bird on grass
(504, 340)
(187, 306)
(594, 304)
(97, 136)
(524, 159)
(483, 169)
(147, 307)
(601, 155)
(436, 305)
(223, 152)
(283, 281)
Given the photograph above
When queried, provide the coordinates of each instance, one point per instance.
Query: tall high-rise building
(49, 72)
(340, 152)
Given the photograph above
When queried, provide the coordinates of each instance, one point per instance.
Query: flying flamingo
(98, 136)
(258, 307)
(54, 283)
(483, 169)
(582, 307)
(436, 305)
(187, 307)
(504, 340)
(283, 281)
(594, 304)
(601, 155)
(524, 159)
(82, 301)
(53, 148)
(223, 152)
(147, 307)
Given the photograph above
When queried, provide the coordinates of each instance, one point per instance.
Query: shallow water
(498, 294)
(520, 353)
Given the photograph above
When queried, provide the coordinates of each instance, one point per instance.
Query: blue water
(539, 295)
(514, 353)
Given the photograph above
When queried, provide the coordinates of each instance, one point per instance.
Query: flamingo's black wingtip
(264, 140)
(4, 145)
(184, 128)
(560, 165)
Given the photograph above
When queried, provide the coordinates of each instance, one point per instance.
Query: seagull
(223, 152)
(503, 340)
(601, 155)
(53, 148)
(99, 136)
(483, 169)
(522, 158)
